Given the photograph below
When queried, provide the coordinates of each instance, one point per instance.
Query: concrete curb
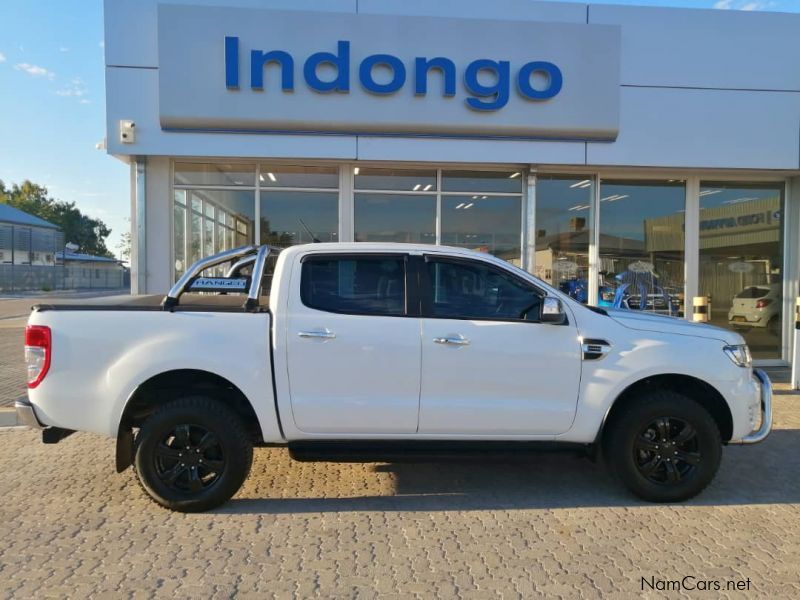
(8, 417)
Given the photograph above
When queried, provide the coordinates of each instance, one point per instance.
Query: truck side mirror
(552, 311)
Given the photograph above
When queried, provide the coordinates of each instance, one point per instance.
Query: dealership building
(593, 145)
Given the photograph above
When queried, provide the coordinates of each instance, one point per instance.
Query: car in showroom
(378, 352)
(757, 306)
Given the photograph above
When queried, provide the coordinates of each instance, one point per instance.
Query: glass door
(741, 261)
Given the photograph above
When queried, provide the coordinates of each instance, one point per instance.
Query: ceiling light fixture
(356, 170)
(581, 183)
(514, 175)
(272, 177)
(427, 187)
(416, 187)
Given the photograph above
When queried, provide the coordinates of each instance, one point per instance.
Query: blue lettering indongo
(487, 82)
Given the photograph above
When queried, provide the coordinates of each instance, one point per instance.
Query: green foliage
(88, 233)
(124, 245)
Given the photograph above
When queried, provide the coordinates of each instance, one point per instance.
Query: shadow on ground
(763, 474)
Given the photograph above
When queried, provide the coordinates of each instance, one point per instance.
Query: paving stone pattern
(555, 526)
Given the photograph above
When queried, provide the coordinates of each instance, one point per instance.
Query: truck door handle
(452, 340)
(326, 334)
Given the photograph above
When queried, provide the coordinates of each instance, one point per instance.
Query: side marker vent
(594, 349)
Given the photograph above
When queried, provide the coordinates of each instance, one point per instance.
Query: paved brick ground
(12, 364)
(556, 526)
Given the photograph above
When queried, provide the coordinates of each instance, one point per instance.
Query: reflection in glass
(179, 232)
(299, 176)
(215, 174)
(218, 220)
(642, 245)
(285, 215)
(482, 181)
(395, 218)
(409, 180)
(485, 223)
(563, 231)
(741, 261)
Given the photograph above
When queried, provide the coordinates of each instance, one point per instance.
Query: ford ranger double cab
(380, 352)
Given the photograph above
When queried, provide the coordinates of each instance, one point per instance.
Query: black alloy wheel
(189, 458)
(667, 450)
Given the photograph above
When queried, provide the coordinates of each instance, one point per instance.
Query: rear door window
(363, 285)
(752, 292)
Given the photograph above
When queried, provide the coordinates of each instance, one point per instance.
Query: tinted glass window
(472, 290)
(363, 286)
(481, 181)
(563, 231)
(741, 257)
(752, 292)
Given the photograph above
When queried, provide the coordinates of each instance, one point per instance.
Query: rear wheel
(192, 454)
(664, 447)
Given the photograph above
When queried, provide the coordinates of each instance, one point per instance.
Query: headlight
(740, 355)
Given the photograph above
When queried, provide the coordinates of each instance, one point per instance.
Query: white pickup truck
(382, 352)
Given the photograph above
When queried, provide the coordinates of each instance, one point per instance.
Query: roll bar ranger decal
(220, 284)
(483, 96)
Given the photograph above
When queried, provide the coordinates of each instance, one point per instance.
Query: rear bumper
(766, 410)
(26, 415)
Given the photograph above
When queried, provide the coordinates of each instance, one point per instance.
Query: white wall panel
(523, 10)
(131, 26)
(159, 226)
(706, 48)
(467, 151)
(133, 94)
(704, 129)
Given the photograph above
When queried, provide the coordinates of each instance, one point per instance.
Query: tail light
(38, 348)
(763, 303)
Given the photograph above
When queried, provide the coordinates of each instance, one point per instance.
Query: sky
(52, 100)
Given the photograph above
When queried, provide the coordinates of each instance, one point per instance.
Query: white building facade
(630, 156)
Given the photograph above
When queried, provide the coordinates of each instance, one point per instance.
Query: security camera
(127, 134)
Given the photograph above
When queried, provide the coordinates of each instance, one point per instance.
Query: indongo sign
(482, 96)
(252, 70)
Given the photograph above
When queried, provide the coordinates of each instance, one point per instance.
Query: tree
(124, 245)
(89, 234)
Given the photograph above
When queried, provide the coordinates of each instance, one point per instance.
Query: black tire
(649, 447)
(192, 454)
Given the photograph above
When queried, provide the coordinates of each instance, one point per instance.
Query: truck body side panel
(100, 358)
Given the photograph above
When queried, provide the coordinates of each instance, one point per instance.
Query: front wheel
(192, 454)
(664, 447)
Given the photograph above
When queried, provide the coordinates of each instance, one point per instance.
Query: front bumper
(26, 415)
(766, 411)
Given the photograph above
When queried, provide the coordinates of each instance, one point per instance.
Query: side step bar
(426, 451)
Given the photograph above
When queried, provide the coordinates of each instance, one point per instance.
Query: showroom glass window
(641, 245)
(214, 207)
(741, 261)
(395, 205)
(482, 210)
(563, 233)
(213, 210)
(299, 204)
